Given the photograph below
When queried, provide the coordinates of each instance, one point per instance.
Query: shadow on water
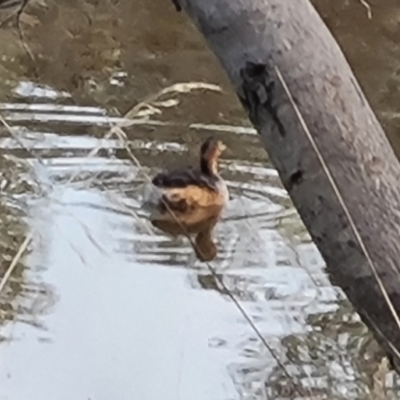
(102, 305)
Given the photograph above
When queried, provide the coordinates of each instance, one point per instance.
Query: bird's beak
(222, 146)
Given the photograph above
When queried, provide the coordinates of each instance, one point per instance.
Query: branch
(323, 138)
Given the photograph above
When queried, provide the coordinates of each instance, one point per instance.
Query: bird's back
(184, 177)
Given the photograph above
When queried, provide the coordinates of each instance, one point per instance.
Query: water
(101, 305)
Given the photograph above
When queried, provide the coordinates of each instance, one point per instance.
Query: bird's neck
(209, 166)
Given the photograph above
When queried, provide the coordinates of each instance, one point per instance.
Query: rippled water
(101, 305)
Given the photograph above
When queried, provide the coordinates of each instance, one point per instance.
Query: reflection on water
(23, 300)
(103, 305)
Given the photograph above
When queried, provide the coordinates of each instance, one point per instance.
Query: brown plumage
(185, 189)
(202, 230)
(190, 200)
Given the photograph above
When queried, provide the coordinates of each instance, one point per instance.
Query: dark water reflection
(104, 306)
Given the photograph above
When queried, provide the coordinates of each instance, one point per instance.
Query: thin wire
(225, 289)
(340, 198)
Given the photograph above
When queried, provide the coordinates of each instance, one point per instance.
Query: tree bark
(354, 219)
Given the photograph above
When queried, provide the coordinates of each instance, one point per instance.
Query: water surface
(101, 305)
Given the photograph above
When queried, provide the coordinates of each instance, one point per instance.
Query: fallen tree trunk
(325, 141)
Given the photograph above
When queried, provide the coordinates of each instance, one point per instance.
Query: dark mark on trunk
(258, 91)
(178, 7)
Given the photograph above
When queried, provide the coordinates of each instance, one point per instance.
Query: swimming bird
(190, 200)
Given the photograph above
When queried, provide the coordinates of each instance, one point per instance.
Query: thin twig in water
(368, 7)
(15, 260)
(20, 32)
(18, 140)
(176, 88)
(183, 87)
(42, 187)
(41, 162)
(17, 14)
